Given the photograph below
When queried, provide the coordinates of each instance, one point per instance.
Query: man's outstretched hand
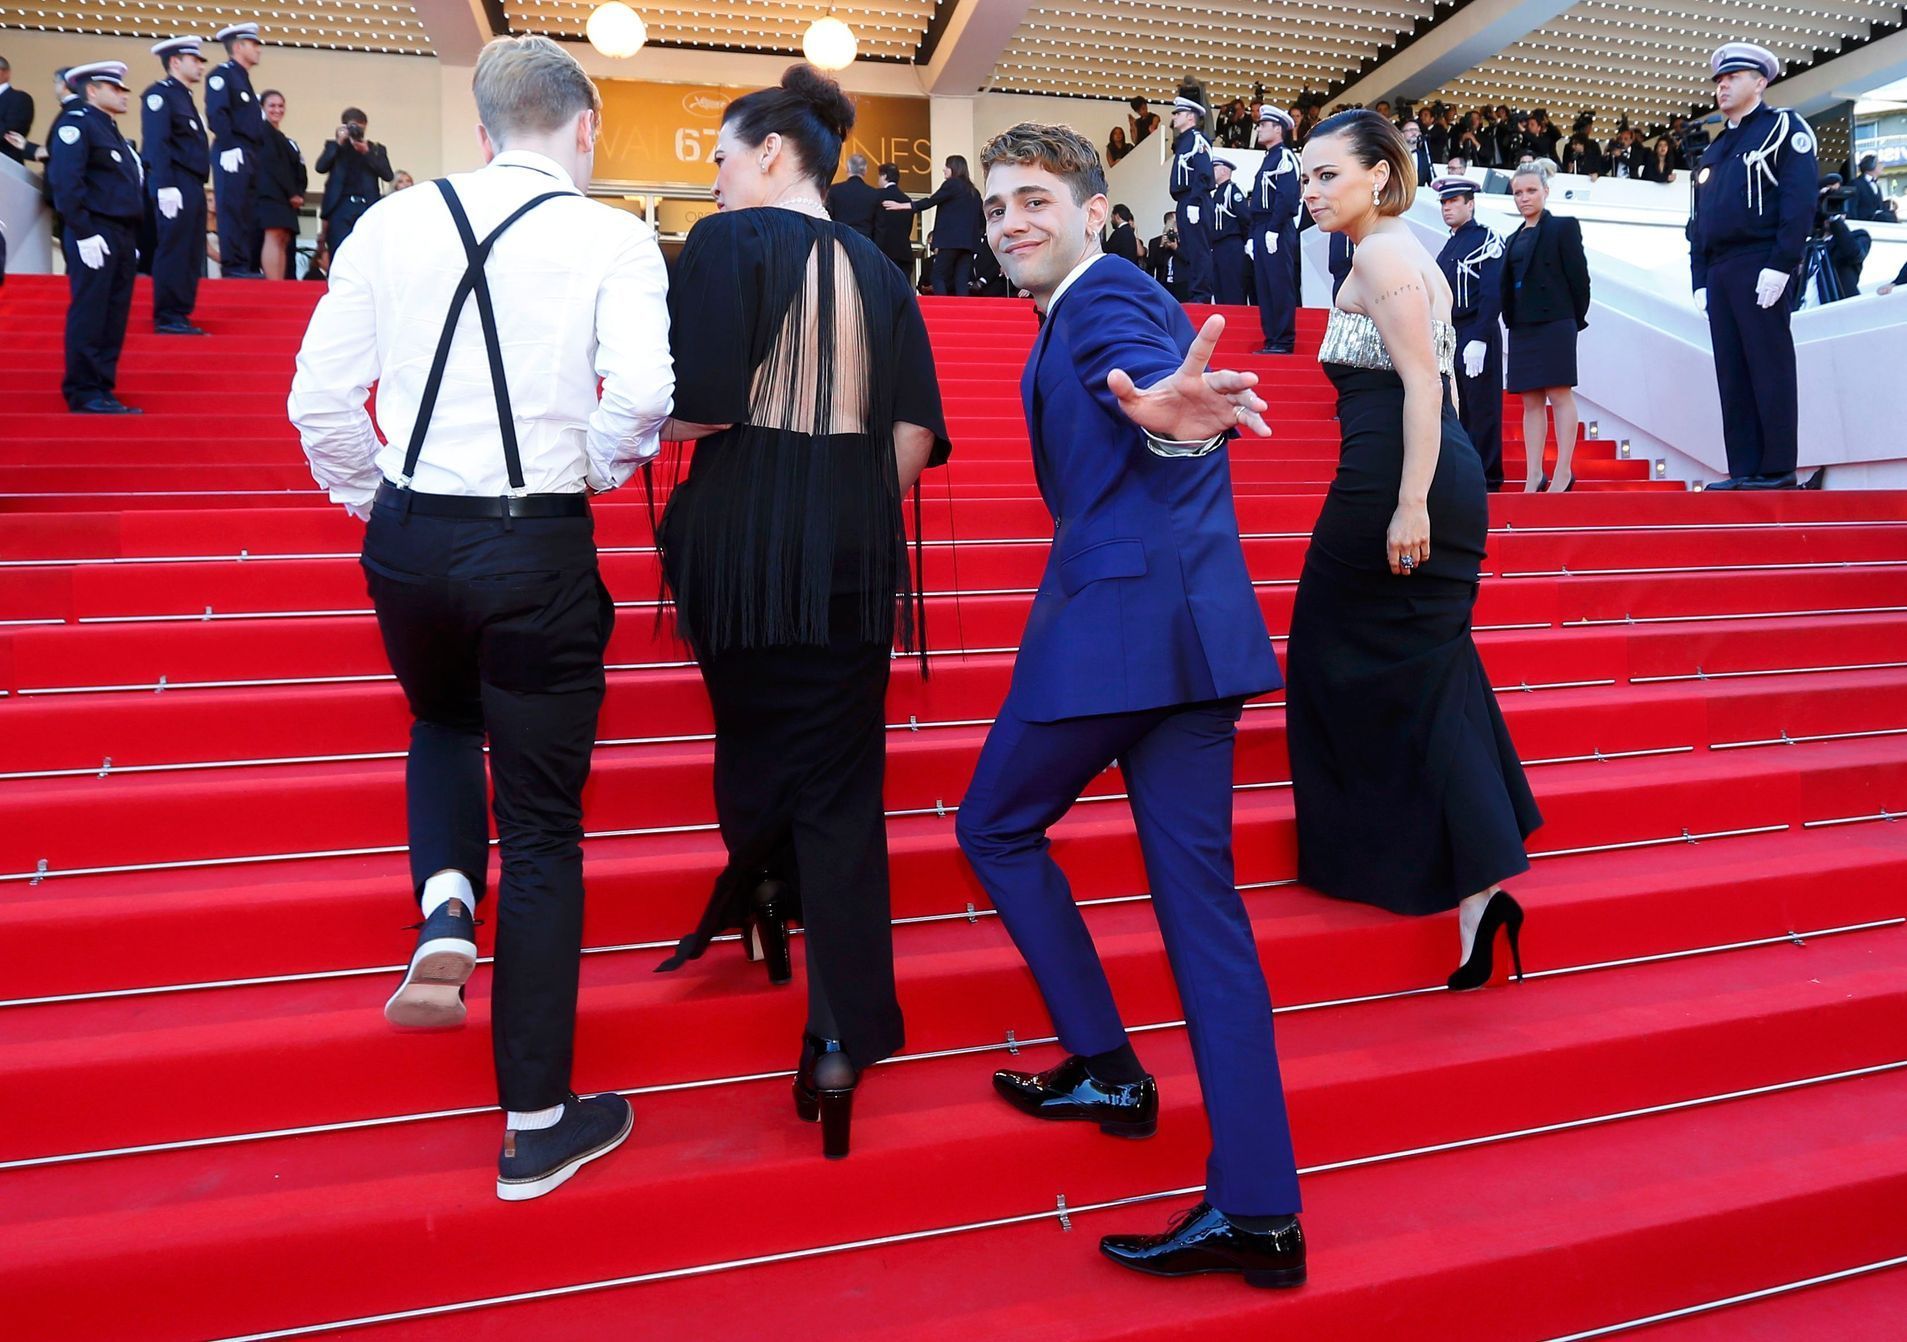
(1193, 404)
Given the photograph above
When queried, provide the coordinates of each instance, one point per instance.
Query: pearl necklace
(800, 203)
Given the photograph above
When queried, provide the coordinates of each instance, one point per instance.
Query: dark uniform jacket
(854, 203)
(961, 225)
(1556, 283)
(93, 172)
(1273, 202)
(1124, 242)
(16, 117)
(1754, 193)
(894, 231)
(1230, 212)
(1472, 260)
(1192, 170)
(172, 138)
(232, 110)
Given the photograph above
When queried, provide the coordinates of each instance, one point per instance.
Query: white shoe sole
(431, 997)
(522, 1190)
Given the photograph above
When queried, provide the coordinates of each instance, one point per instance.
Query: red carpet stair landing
(1690, 1121)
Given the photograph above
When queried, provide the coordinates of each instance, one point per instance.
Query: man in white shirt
(485, 310)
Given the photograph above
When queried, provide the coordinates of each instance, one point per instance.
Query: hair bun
(821, 92)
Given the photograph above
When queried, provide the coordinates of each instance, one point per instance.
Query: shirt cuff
(1172, 447)
(350, 495)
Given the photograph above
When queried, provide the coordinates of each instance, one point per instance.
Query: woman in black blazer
(960, 229)
(1545, 303)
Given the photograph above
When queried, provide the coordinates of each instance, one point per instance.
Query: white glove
(1473, 358)
(1248, 248)
(94, 251)
(1769, 286)
(169, 201)
(232, 160)
(1191, 214)
(1271, 244)
(1701, 300)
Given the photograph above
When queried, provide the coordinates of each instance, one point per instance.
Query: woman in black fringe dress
(803, 369)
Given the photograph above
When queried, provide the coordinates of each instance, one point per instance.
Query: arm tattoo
(1412, 287)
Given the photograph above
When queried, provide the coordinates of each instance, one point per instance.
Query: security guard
(1229, 209)
(1191, 185)
(97, 190)
(178, 160)
(1750, 214)
(1273, 207)
(232, 110)
(1472, 261)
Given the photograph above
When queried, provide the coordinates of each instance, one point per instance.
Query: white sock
(446, 886)
(533, 1121)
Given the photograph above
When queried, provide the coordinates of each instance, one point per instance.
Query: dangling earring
(1377, 197)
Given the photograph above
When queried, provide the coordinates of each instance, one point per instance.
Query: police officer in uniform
(1229, 221)
(1192, 191)
(1750, 214)
(178, 160)
(1273, 206)
(232, 110)
(1472, 261)
(97, 190)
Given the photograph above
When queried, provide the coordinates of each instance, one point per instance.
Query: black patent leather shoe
(1201, 1239)
(105, 405)
(1732, 482)
(1787, 481)
(179, 329)
(1069, 1091)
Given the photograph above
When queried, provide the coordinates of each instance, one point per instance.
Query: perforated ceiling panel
(1647, 62)
(344, 25)
(888, 29)
(1126, 48)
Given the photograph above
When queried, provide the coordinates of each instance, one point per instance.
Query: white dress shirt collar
(1067, 283)
(5, 84)
(523, 158)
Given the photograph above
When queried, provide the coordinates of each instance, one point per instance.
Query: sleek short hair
(857, 165)
(1060, 150)
(892, 173)
(530, 85)
(1373, 140)
(354, 114)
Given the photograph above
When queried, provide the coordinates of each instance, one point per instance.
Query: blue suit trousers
(1177, 763)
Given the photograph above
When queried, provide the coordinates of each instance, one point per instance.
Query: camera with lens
(355, 129)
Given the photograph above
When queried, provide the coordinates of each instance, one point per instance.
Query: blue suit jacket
(1146, 601)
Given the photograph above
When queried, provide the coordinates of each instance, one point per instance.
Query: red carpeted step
(1362, 1081)
(1863, 1308)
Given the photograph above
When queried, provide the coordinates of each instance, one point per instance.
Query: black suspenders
(473, 281)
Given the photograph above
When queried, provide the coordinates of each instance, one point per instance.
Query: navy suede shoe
(431, 996)
(534, 1163)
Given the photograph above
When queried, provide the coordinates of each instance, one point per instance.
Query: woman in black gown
(803, 369)
(1407, 786)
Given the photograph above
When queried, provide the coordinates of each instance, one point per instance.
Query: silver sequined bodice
(1351, 339)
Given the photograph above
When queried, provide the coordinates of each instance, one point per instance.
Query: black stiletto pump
(824, 1092)
(765, 932)
(1502, 911)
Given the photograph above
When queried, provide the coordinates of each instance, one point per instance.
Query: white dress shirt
(580, 292)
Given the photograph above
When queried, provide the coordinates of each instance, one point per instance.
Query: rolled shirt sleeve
(337, 364)
(633, 361)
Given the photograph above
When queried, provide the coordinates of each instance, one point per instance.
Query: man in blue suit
(1143, 644)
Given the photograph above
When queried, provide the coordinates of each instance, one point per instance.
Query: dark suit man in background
(1162, 258)
(355, 164)
(1869, 201)
(1124, 238)
(893, 231)
(16, 115)
(852, 201)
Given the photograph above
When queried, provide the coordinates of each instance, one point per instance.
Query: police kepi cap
(1446, 187)
(1281, 117)
(103, 72)
(237, 32)
(1188, 105)
(1732, 56)
(176, 46)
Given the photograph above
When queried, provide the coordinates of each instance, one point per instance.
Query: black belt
(391, 498)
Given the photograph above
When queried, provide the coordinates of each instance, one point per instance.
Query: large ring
(1408, 562)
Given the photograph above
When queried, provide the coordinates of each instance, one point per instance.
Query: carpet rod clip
(106, 767)
(1786, 739)
(1699, 673)
(1687, 837)
(1012, 1044)
(1600, 757)
(207, 615)
(1065, 1218)
(940, 808)
(1796, 938)
(973, 914)
(160, 688)
(1888, 816)
(913, 723)
(39, 872)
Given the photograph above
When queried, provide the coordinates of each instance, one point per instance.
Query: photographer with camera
(352, 165)
(1832, 260)
(1162, 258)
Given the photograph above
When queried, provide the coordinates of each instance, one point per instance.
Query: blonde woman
(1545, 303)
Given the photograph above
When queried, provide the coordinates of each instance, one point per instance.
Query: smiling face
(274, 107)
(1737, 92)
(1336, 188)
(1036, 228)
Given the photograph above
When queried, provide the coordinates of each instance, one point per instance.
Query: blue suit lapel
(1030, 399)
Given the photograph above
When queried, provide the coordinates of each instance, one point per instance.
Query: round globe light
(616, 30)
(830, 44)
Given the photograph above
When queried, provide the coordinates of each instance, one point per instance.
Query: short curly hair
(1060, 150)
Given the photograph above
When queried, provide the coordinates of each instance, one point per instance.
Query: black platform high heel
(824, 1092)
(765, 932)
(1502, 911)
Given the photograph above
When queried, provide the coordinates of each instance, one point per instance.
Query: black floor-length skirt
(1407, 787)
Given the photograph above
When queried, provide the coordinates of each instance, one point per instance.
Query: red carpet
(1692, 1120)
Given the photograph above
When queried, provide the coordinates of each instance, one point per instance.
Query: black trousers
(100, 303)
(239, 236)
(178, 259)
(1275, 277)
(953, 269)
(1228, 270)
(1195, 252)
(1754, 370)
(1480, 402)
(498, 633)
